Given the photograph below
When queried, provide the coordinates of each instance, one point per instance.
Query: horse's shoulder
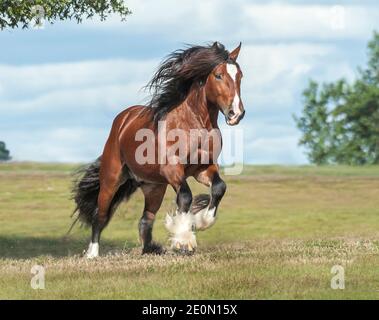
(130, 111)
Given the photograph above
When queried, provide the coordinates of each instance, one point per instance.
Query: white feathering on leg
(93, 251)
(180, 226)
(205, 218)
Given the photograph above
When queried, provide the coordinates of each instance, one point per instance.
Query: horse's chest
(191, 142)
(205, 147)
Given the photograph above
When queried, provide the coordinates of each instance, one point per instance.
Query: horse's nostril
(231, 114)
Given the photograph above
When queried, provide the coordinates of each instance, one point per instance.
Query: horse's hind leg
(110, 180)
(154, 194)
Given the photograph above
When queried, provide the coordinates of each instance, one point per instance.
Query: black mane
(172, 81)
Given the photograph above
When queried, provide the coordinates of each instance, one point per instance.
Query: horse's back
(137, 114)
(127, 136)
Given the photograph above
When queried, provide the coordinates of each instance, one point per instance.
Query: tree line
(340, 120)
(4, 153)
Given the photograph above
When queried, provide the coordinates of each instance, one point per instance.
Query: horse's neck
(205, 113)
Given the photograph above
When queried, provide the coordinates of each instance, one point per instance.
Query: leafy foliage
(26, 13)
(340, 121)
(4, 153)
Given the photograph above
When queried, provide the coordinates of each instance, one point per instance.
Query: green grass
(279, 232)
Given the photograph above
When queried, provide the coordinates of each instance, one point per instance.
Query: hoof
(184, 249)
(182, 234)
(184, 243)
(153, 248)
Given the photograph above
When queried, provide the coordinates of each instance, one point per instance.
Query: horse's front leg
(204, 207)
(180, 224)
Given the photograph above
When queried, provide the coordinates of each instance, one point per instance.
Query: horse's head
(223, 88)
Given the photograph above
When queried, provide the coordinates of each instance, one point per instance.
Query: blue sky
(61, 87)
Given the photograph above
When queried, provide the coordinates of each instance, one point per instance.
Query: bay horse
(189, 89)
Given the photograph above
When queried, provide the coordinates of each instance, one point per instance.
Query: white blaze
(232, 70)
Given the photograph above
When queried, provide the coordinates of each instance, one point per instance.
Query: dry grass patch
(278, 234)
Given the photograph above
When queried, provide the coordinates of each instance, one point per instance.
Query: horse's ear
(234, 54)
(218, 45)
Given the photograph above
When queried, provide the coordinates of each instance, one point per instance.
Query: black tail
(86, 191)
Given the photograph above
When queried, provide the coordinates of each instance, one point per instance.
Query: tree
(4, 153)
(26, 13)
(340, 121)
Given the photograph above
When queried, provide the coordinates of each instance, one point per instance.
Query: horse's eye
(218, 76)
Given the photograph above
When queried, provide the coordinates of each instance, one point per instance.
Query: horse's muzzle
(233, 119)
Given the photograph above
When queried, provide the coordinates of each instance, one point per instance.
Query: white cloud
(275, 74)
(264, 142)
(75, 88)
(38, 79)
(278, 150)
(272, 73)
(278, 20)
(74, 144)
(89, 99)
(242, 19)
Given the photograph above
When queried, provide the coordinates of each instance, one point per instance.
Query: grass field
(279, 232)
